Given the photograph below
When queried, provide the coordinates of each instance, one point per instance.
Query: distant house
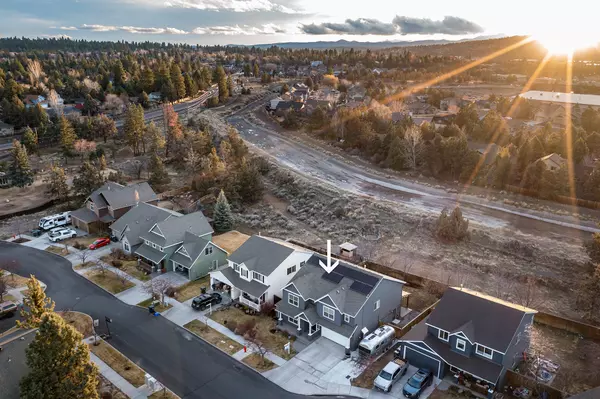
(315, 64)
(259, 269)
(31, 100)
(6, 129)
(284, 106)
(553, 161)
(470, 334)
(108, 203)
(312, 104)
(155, 96)
(489, 151)
(400, 116)
(5, 180)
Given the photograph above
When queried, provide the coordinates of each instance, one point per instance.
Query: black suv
(202, 302)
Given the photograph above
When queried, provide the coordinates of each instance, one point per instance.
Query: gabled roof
(174, 229)
(139, 219)
(117, 196)
(261, 254)
(482, 319)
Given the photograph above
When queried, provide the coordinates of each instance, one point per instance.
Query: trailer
(377, 342)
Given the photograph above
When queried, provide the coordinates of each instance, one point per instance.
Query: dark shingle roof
(251, 287)
(261, 255)
(85, 215)
(174, 229)
(139, 219)
(482, 319)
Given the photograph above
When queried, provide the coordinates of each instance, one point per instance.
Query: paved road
(187, 365)
(314, 162)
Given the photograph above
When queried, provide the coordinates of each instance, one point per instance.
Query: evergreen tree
(87, 180)
(154, 138)
(59, 364)
(190, 86)
(249, 185)
(118, 74)
(145, 100)
(67, 136)
(229, 85)
(147, 80)
(158, 173)
(452, 227)
(532, 178)
(255, 70)
(223, 218)
(178, 82)
(134, 127)
(221, 78)
(102, 162)
(247, 70)
(19, 171)
(174, 131)
(35, 305)
(30, 140)
(396, 158)
(57, 184)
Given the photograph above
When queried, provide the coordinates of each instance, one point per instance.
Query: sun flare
(563, 43)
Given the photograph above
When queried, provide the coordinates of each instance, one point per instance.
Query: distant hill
(364, 45)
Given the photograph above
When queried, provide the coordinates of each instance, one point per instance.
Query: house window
(294, 300)
(346, 318)
(328, 313)
(126, 246)
(153, 245)
(159, 248)
(302, 263)
(258, 277)
(146, 242)
(293, 320)
(291, 270)
(91, 206)
(377, 303)
(461, 344)
(484, 351)
(208, 250)
(443, 335)
(244, 272)
(236, 267)
(215, 264)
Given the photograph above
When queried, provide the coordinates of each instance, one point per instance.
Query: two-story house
(343, 305)
(470, 333)
(180, 243)
(258, 270)
(108, 203)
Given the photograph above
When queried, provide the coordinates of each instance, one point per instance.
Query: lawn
(192, 289)
(85, 240)
(108, 280)
(81, 321)
(274, 341)
(214, 337)
(55, 249)
(231, 240)
(15, 281)
(128, 266)
(257, 363)
(159, 308)
(123, 366)
(163, 394)
(7, 297)
(83, 265)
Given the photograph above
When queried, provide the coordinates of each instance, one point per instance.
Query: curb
(62, 312)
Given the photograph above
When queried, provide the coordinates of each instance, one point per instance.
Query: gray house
(343, 305)
(470, 333)
(169, 241)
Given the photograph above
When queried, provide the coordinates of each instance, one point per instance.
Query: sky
(207, 22)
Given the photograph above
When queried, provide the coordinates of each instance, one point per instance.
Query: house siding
(201, 267)
(468, 347)
(279, 277)
(520, 343)
(423, 358)
(338, 315)
(301, 302)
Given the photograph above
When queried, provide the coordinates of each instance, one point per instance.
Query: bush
(245, 327)
(170, 292)
(116, 263)
(267, 308)
(117, 253)
(232, 325)
(78, 245)
(452, 227)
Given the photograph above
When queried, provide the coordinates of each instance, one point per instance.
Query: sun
(563, 43)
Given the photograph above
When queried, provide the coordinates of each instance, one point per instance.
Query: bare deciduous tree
(11, 267)
(35, 71)
(256, 344)
(91, 85)
(114, 104)
(193, 161)
(122, 277)
(54, 102)
(527, 293)
(102, 267)
(157, 288)
(413, 146)
(83, 255)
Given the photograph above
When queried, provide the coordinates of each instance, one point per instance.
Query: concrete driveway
(396, 391)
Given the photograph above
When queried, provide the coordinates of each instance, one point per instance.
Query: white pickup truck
(390, 374)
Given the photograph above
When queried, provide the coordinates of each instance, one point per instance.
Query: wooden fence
(515, 379)
(400, 331)
(564, 324)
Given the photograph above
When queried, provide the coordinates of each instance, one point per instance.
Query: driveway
(187, 365)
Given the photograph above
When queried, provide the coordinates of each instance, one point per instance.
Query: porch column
(299, 326)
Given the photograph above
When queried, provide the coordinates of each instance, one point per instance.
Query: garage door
(335, 337)
(422, 360)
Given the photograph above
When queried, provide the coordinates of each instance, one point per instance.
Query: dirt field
(230, 241)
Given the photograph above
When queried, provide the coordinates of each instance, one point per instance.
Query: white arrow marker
(329, 267)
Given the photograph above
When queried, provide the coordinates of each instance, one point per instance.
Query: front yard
(83, 242)
(55, 249)
(214, 337)
(265, 326)
(255, 361)
(123, 366)
(83, 265)
(159, 308)
(15, 281)
(109, 280)
(127, 266)
(191, 289)
(81, 321)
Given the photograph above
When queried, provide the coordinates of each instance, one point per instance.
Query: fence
(564, 324)
(515, 379)
(400, 331)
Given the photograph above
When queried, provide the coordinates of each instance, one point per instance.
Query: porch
(248, 293)
(150, 259)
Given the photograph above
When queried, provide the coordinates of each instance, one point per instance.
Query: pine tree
(190, 86)
(30, 140)
(119, 74)
(158, 173)
(102, 162)
(249, 185)
(178, 82)
(144, 100)
(59, 364)
(223, 218)
(19, 171)
(67, 136)
(35, 305)
(173, 131)
(87, 180)
(147, 80)
(154, 138)
(57, 184)
(255, 70)
(134, 127)
(221, 78)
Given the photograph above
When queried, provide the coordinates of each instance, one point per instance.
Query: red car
(100, 242)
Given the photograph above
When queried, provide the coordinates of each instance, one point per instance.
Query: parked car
(99, 243)
(390, 374)
(57, 230)
(202, 302)
(7, 309)
(63, 235)
(36, 232)
(416, 384)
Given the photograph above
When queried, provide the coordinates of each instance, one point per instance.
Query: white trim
(332, 311)
(461, 335)
(294, 293)
(297, 304)
(346, 318)
(377, 305)
(461, 342)
(334, 305)
(179, 264)
(293, 320)
(483, 354)
(207, 247)
(447, 339)
(259, 274)
(181, 250)
(424, 354)
(154, 232)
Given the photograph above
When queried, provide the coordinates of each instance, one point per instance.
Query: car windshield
(385, 375)
(415, 381)
(97, 242)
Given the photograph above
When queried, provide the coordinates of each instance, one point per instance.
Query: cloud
(56, 36)
(399, 25)
(426, 26)
(231, 5)
(267, 29)
(129, 29)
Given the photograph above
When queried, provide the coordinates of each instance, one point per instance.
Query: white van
(377, 342)
(52, 221)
